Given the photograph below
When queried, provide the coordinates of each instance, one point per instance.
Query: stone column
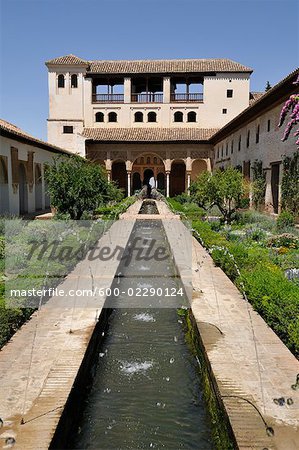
(109, 175)
(188, 182)
(129, 183)
(166, 90)
(127, 90)
(167, 184)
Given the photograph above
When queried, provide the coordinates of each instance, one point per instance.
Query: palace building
(167, 119)
(145, 118)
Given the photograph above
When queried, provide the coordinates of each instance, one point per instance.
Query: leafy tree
(77, 186)
(258, 184)
(268, 86)
(223, 188)
(290, 183)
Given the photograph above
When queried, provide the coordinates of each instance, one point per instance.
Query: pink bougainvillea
(291, 105)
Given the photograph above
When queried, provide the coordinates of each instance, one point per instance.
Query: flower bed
(73, 234)
(262, 262)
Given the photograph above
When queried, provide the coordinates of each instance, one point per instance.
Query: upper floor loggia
(143, 81)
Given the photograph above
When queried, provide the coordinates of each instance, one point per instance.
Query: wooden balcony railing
(192, 97)
(107, 98)
(147, 98)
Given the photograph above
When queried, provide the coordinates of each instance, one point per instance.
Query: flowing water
(146, 391)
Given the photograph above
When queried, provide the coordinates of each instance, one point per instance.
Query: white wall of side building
(269, 149)
(37, 198)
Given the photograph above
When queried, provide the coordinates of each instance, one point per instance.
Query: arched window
(148, 160)
(61, 81)
(112, 117)
(142, 160)
(74, 81)
(178, 116)
(155, 160)
(152, 117)
(99, 117)
(191, 117)
(3, 172)
(138, 116)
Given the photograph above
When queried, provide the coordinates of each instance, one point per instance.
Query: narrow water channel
(146, 390)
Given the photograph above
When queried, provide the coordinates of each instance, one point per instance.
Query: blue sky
(261, 34)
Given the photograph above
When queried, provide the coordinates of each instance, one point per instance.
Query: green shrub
(285, 219)
(276, 299)
(182, 198)
(254, 217)
(76, 186)
(270, 292)
(225, 260)
(208, 236)
(244, 202)
(2, 247)
(284, 240)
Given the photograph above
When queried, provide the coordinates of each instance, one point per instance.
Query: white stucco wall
(74, 107)
(41, 156)
(270, 149)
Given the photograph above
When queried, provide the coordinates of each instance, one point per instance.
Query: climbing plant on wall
(291, 106)
(290, 183)
(258, 184)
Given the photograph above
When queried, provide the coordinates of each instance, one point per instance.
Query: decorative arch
(136, 180)
(99, 117)
(112, 116)
(161, 181)
(61, 81)
(177, 178)
(38, 187)
(145, 162)
(74, 81)
(178, 116)
(119, 173)
(198, 166)
(3, 171)
(138, 116)
(191, 116)
(152, 116)
(4, 194)
(23, 189)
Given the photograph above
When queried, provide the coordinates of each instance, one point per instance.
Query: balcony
(187, 97)
(150, 97)
(107, 98)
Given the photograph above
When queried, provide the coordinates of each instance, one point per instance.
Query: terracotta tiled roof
(153, 65)
(14, 131)
(254, 96)
(68, 60)
(168, 66)
(148, 134)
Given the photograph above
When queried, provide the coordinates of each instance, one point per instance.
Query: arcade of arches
(170, 176)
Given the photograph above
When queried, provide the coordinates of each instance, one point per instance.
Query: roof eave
(33, 142)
